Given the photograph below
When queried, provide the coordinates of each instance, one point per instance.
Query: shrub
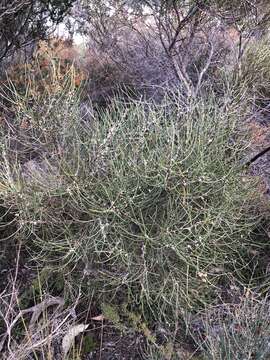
(254, 71)
(105, 79)
(147, 202)
(240, 331)
(52, 61)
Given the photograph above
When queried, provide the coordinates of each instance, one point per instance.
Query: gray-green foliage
(149, 201)
(253, 71)
(239, 332)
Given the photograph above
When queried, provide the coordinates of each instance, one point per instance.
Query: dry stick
(13, 294)
(257, 156)
(101, 340)
(205, 68)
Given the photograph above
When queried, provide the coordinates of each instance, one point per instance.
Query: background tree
(193, 34)
(24, 21)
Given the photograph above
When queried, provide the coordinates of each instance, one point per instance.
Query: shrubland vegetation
(131, 226)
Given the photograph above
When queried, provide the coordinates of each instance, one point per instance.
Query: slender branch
(205, 68)
(192, 12)
(257, 156)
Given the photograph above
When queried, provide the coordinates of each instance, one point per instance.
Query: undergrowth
(139, 204)
(237, 331)
(253, 71)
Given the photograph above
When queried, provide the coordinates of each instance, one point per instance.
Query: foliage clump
(239, 331)
(145, 200)
(254, 72)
